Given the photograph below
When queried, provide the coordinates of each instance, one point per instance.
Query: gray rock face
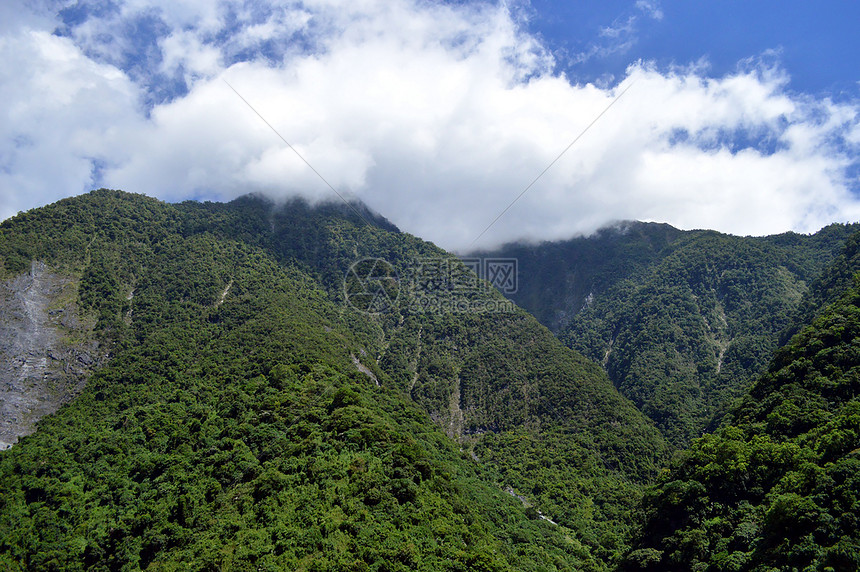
(47, 351)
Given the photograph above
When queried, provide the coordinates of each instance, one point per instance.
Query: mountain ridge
(292, 387)
(776, 487)
(232, 345)
(682, 321)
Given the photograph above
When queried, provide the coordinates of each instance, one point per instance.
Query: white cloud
(619, 28)
(61, 111)
(621, 35)
(184, 50)
(437, 116)
(651, 8)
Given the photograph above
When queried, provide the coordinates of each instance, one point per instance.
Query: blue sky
(816, 42)
(739, 116)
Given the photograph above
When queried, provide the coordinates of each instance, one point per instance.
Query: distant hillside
(778, 488)
(559, 279)
(252, 415)
(827, 288)
(682, 321)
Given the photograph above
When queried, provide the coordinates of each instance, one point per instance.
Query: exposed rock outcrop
(47, 350)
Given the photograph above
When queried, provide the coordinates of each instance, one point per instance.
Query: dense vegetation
(682, 322)
(827, 288)
(249, 419)
(493, 375)
(778, 488)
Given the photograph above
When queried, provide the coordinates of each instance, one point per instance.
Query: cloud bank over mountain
(437, 115)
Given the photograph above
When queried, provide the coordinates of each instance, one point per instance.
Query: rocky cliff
(47, 350)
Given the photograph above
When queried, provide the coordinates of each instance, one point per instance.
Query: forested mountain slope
(248, 417)
(681, 321)
(779, 488)
(559, 279)
(827, 288)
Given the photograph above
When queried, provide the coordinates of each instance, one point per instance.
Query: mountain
(682, 321)
(827, 288)
(778, 487)
(298, 387)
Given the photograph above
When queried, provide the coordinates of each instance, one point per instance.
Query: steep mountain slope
(232, 430)
(249, 417)
(46, 350)
(560, 279)
(826, 288)
(481, 372)
(778, 488)
(681, 321)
